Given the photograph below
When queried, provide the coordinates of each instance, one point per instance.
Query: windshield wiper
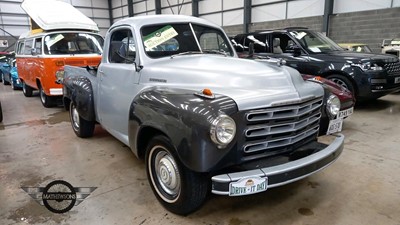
(215, 52)
(186, 53)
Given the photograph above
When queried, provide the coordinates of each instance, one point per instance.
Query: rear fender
(78, 89)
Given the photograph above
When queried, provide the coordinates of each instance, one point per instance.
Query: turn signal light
(207, 92)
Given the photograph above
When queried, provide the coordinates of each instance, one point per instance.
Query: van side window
(28, 47)
(122, 47)
(20, 48)
(38, 46)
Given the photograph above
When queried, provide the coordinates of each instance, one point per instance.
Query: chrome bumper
(285, 173)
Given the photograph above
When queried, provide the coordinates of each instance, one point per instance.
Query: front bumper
(285, 173)
(377, 84)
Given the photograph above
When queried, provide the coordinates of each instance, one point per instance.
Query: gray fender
(185, 119)
(78, 89)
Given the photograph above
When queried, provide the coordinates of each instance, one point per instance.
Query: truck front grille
(274, 130)
(392, 68)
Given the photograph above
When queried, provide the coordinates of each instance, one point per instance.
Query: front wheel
(343, 82)
(178, 189)
(12, 84)
(47, 101)
(82, 128)
(26, 90)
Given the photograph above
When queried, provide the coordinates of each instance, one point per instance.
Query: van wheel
(26, 90)
(82, 128)
(47, 101)
(342, 81)
(178, 189)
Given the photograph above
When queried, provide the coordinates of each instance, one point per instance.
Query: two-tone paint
(137, 101)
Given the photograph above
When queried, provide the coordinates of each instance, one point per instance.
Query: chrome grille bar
(283, 112)
(275, 128)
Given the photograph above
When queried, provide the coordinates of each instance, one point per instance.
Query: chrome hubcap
(75, 118)
(167, 173)
(42, 95)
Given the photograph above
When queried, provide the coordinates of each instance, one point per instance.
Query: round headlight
(333, 105)
(223, 130)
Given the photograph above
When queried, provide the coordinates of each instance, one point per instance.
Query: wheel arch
(79, 90)
(342, 73)
(145, 135)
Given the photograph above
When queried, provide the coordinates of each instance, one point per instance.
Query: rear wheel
(343, 82)
(177, 188)
(26, 89)
(82, 128)
(47, 101)
(12, 84)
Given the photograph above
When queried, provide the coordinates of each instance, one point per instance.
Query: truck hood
(354, 57)
(249, 83)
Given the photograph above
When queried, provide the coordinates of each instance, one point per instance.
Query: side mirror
(296, 51)
(33, 51)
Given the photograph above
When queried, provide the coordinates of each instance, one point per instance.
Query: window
(122, 47)
(164, 40)
(28, 47)
(38, 46)
(73, 44)
(20, 48)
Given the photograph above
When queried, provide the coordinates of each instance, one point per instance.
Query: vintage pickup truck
(173, 89)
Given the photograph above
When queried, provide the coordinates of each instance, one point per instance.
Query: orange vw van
(60, 35)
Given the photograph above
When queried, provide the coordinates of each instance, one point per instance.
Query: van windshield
(73, 43)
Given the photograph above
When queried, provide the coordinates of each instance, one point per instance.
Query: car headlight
(333, 105)
(368, 66)
(223, 130)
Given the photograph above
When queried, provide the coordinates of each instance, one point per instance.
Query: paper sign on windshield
(159, 36)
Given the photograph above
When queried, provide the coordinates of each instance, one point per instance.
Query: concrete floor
(37, 146)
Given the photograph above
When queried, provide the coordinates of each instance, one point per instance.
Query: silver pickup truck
(173, 89)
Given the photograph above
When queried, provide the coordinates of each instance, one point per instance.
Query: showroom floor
(37, 146)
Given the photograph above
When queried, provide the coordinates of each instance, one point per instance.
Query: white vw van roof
(56, 15)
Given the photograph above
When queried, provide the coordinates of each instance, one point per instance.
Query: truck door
(118, 83)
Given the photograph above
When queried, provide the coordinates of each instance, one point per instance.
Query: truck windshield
(315, 42)
(72, 44)
(164, 40)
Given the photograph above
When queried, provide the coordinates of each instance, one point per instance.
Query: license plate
(335, 126)
(247, 186)
(345, 113)
(397, 80)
